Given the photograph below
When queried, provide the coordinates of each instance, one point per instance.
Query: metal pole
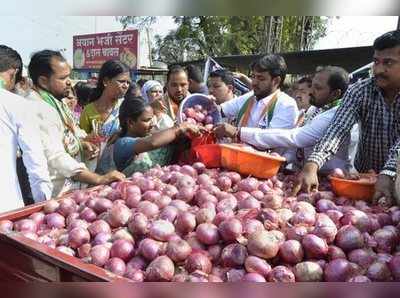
(398, 23)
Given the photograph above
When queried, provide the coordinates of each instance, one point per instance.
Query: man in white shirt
(266, 106)
(328, 86)
(50, 73)
(18, 128)
(221, 85)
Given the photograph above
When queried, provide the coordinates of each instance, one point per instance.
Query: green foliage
(199, 36)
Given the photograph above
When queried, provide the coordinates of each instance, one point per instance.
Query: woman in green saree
(136, 149)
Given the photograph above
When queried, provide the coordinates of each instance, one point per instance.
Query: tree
(199, 36)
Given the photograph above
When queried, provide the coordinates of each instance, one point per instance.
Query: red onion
(88, 215)
(138, 224)
(235, 275)
(362, 257)
(132, 200)
(291, 251)
(224, 183)
(233, 255)
(314, 246)
(325, 228)
(188, 170)
(335, 252)
(102, 205)
(249, 203)
(248, 184)
(180, 205)
(185, 194)
(305, 218)
(296, 233)
(122, 233)
(349, 238)
(205, 215)
(257, 265)
(241, 195)
(122, 249)
(116, 266)
(281, 274)
(101, 238)
(77, 237)
(227, 204)
(335, 216)
(230, 229)
(185, 222)
(170, 191)
(150, 249)
(379, 272)
(194, 242)
(55, 220)
(253, 277)
(38, 217)
(99, 226)
(66, 207)
(252, 225)
(178, 250)
(163, 201)
(214, 251)
(26, 225)
(78, 223)
(6, 226)
(199, 167)
(308, 272)
(386, 240)
(51, 206)
(169, 213)
(394, 266)
(84, 250)
(338, 270)
(161, 230)
(119, 215)
(359, 278)
(207, 233)
(356, 218)
(160, 269)
(137, 263)
(66, 250)
(263, 244)
(198, 261)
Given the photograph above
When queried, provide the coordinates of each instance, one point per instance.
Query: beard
(260, 94)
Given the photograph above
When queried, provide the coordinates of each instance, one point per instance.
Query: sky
(33, 33)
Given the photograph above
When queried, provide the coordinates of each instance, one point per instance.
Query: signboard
(92, 50)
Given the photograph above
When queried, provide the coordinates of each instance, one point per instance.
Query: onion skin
(198, 261)
(160, 269)
(291, 251)
(281, 274)
(233, 255)
(308, 272)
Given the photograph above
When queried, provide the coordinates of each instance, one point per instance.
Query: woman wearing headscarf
(152, 93)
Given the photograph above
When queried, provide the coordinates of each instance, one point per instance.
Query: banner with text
(92, 50)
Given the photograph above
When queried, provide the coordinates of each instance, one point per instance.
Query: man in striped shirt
(375, 104)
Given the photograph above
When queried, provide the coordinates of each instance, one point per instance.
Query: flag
(212, 65)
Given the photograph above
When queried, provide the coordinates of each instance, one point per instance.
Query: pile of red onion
(190, 223)
(198, 115)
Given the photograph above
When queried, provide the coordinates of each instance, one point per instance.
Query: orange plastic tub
(206, 138)
(260, 165)
(209, 154)
(354, 189)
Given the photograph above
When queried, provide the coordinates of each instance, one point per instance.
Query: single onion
(160, 269)
(161, 230)
(122, 249)
(116, 266)
(178, 250)
(291, 251)
(281, 274)
(308, 272)
(99, 226)
(55, 220)
(263, 244)
(198, 261)
(185, 222)
(6, 226)
(233, 255)
(78, 236)
(207, 233)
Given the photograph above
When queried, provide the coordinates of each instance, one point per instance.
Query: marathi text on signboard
(92, 50)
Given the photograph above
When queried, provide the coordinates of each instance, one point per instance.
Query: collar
(265, 100)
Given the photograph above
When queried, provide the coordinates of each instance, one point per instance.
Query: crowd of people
(57, 136)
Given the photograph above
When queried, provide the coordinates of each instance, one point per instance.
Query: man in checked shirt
(375, 104)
